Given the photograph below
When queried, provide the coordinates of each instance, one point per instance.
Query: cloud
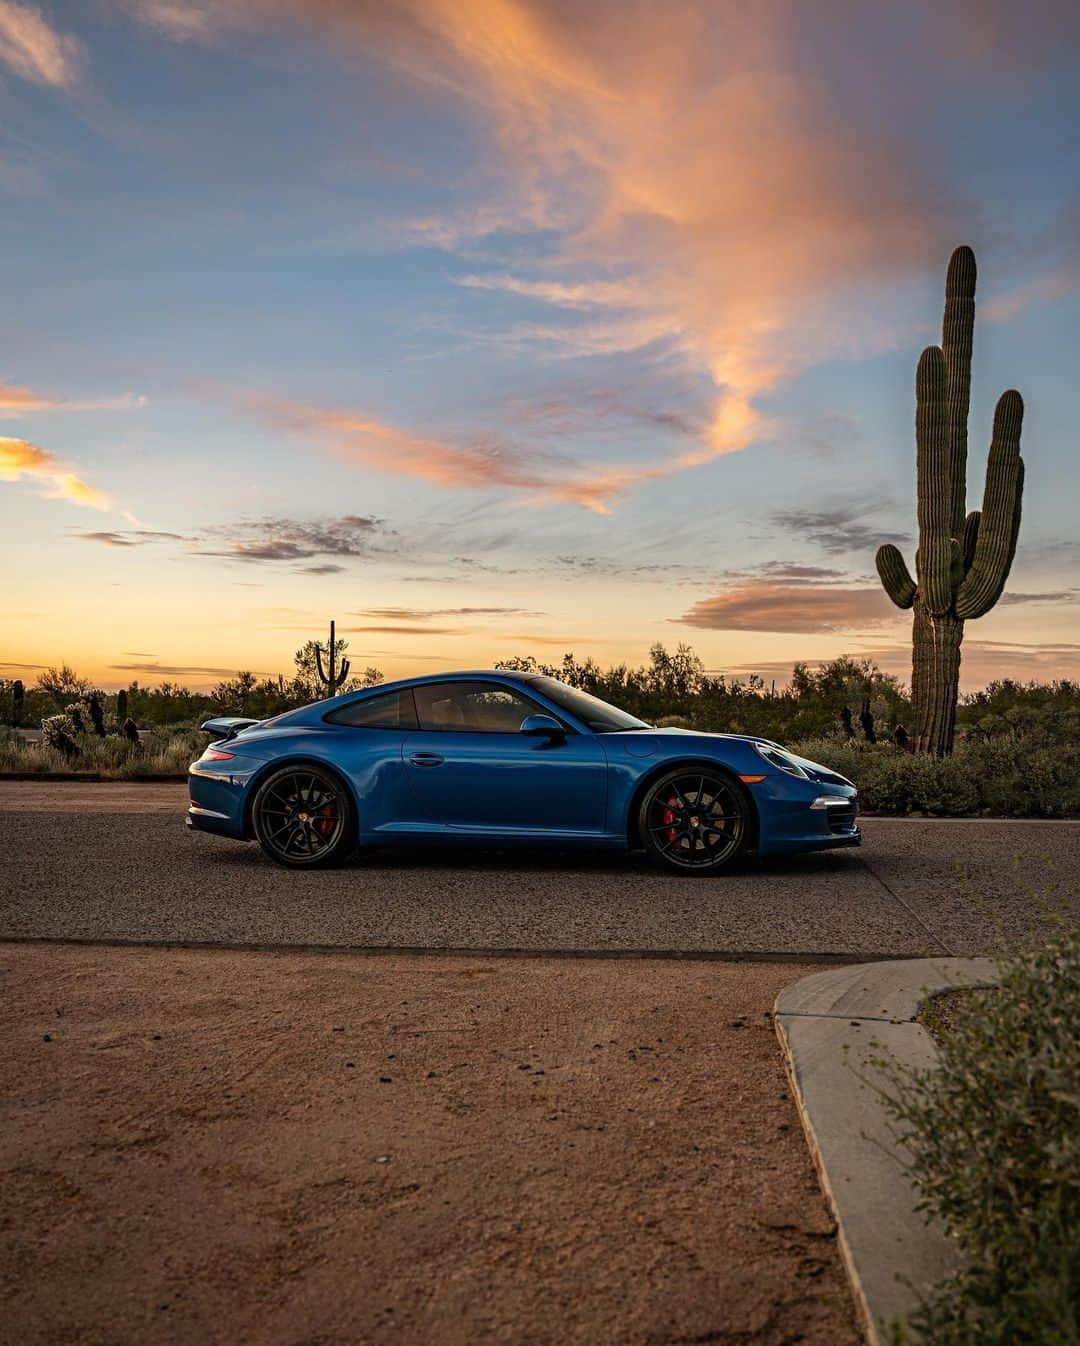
(1009, 598)
(177, 670)
(35, 51)
(327, 569)
(737, 247)
(788, 605)
(107, 539)
(19, 458)
(282, 539)
(1054, 284)
(182, 20)
(430, 614)
(407, 630)
(698, 196)
(580, 295)
(838, 530)
(137, 538)
(477, 463)
(710, 180)
(15, 401)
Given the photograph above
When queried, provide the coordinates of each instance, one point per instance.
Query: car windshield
(598, 715)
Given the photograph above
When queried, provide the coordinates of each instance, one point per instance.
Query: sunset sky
(496, 327)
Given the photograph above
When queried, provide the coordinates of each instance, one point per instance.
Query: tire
(675, 816)
(304, 818)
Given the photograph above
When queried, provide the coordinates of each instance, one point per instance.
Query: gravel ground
(205, 1146)
(128, 870)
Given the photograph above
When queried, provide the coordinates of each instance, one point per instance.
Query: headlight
(780, 759)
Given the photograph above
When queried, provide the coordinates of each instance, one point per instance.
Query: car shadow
(432, 858)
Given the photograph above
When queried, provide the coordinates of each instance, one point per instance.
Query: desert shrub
(160, 752)
(1013, 776)
(74, 713)
(58, 733)
(97, 714)
(993, 1133)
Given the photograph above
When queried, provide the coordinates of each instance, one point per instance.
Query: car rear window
(391, 710)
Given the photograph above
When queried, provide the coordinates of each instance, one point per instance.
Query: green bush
(160, 752)
(1013, 776)
(994, 1138)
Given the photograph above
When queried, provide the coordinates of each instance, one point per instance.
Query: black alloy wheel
(304, 818)
(694, 821)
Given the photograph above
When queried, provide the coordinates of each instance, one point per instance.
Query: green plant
(963, 560)
(130, 731)
(121, 706)
(58, 733)
(97, 714)
(993, 1133)
(74, 713)
(18, 695)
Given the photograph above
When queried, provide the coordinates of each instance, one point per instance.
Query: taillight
(216, 755)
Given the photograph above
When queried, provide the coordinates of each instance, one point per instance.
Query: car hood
(666, 733)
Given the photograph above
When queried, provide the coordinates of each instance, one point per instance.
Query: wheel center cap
(694, 822)
(303, 817)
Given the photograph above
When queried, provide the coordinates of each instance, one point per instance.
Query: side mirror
(543, 726)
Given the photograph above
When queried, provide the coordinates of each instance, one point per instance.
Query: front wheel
(304, 818)
(694, 821)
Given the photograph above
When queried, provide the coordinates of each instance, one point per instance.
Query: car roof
(458, 675)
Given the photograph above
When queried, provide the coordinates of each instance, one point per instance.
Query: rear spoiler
(226, 726)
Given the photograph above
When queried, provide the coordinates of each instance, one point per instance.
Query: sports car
(507, 758)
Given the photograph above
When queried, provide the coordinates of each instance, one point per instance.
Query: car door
(470, 767)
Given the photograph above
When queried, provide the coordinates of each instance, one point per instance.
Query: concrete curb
(831, 1026)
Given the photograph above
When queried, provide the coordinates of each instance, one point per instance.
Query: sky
(500, 327)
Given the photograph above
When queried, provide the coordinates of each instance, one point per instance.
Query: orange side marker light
(751, 780)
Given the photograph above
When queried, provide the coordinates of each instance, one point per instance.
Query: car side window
(392, 710)
(472, 707)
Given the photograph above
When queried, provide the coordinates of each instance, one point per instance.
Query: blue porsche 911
(507, 758)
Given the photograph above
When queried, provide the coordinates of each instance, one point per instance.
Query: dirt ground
(202, 1146)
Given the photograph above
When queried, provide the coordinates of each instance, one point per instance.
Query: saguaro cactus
(963, 560)
(337, 675)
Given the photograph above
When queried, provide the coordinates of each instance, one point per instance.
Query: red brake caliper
(669, 817)
(325, 825)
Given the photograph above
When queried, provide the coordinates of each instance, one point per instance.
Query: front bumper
(805, 815)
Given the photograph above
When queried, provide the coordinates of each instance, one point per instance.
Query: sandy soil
(223, 1147)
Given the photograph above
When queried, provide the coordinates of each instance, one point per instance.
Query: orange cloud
(772, 605)
(478, 464)
(687, 153)
(35, 51)
(16, 401)
(19, 458)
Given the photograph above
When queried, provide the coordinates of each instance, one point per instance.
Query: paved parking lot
(116, 863)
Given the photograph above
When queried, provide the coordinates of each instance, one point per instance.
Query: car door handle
(427, 759)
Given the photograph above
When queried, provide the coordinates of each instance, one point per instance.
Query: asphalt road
(98, 863)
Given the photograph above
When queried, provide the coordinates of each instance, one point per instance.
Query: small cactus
(866, 720)
(846, 725)
(338, 674)
(963, 560)
(121, 705)
(18, 693)
(57, 732)
(74, 713)
(97, 714)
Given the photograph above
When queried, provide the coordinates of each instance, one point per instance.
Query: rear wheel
(694, 821)
(304, 818)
